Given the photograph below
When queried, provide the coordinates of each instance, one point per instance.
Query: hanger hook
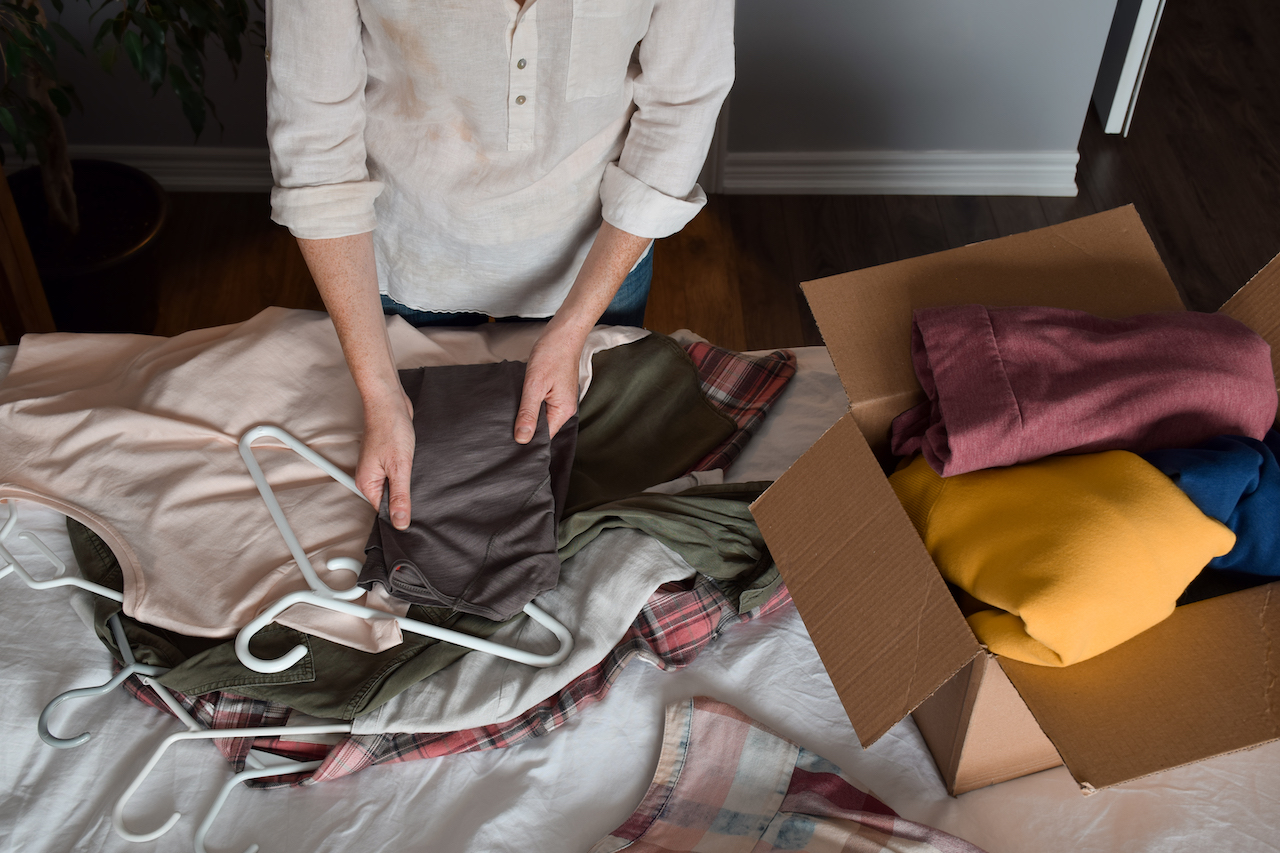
(117, 813)
(42, 725)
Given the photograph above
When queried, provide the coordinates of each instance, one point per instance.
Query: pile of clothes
(137, 445)
(1072, 475)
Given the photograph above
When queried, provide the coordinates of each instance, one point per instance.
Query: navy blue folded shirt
(1237, 481)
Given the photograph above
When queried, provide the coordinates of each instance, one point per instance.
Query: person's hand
(386, 454)
(551, 377)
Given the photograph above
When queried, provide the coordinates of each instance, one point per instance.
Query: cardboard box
(1202, 683)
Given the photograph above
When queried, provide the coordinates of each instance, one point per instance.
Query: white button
(519, 99)
(521, 64)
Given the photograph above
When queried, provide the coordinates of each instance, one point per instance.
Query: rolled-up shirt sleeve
(686, 70)
(316, 117)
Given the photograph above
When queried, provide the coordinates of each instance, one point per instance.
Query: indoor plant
(166, 43)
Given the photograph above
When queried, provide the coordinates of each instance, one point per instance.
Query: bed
(565, 791)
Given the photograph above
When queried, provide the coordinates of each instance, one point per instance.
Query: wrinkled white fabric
(516, 800)
(137, 437)
(482, 142)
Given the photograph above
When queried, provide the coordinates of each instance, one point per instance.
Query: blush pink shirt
(137, 437)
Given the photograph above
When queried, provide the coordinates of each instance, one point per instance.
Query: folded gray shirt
(482, 537)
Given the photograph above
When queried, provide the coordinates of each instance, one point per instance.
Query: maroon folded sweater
(1009, 385)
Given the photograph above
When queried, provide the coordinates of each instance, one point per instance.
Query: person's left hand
(551, 377)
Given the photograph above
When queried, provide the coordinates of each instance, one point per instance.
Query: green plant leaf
(107, 58)
(200, 16)
(156, 62)
(57, 5)
(27, 14)
(14, 57)
(66, 36)
(150, 28)
(70, 92)
(45, 61)
(194, 65)
(45, 39)
(192, 102)
(60, 101)
(102, 31)
(7, 122)
(14, 128)
(133, 48)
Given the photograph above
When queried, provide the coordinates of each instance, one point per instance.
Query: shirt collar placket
(522, 77)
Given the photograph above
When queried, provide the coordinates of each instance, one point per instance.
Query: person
(452, 161)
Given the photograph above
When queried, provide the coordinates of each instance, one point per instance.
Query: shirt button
(519, 100)
(521, 64)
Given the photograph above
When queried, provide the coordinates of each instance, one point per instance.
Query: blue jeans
(626, 309)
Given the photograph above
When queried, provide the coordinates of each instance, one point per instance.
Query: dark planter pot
(106, 278)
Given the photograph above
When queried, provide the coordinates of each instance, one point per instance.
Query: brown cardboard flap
(879, 613)
(943, 718)
(980, 731)
(1002, 740)
(1201, 683)
(1105, 264)
(1257, 305)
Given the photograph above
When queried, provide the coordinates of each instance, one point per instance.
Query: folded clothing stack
(1080, 552)
(1010, 385)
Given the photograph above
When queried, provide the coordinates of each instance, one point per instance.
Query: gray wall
(119, 108)
(915, 75)
(879, 96)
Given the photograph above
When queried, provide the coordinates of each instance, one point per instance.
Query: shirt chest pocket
(604, 34)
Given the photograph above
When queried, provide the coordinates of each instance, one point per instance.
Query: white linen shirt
(483, 142)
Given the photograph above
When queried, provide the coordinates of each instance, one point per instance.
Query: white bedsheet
(564, 791)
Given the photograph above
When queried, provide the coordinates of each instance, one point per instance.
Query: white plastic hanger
(13, 565)
(130, 667)
(324, 596)
(117, 813)
(202, 831)
(59, 567)
(259, 764)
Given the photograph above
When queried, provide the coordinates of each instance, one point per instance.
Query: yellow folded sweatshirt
(1080, 553)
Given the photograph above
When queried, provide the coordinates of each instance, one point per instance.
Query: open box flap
(1104, 264)
(1203, 682)
(1257, 305)
(879, 613)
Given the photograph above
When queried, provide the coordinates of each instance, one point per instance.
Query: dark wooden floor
(1201, 164)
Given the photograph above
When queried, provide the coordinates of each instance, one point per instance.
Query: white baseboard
(1049, 173)
(190, 168)
(185, 168)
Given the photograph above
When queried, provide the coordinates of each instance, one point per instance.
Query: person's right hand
(386, 454)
